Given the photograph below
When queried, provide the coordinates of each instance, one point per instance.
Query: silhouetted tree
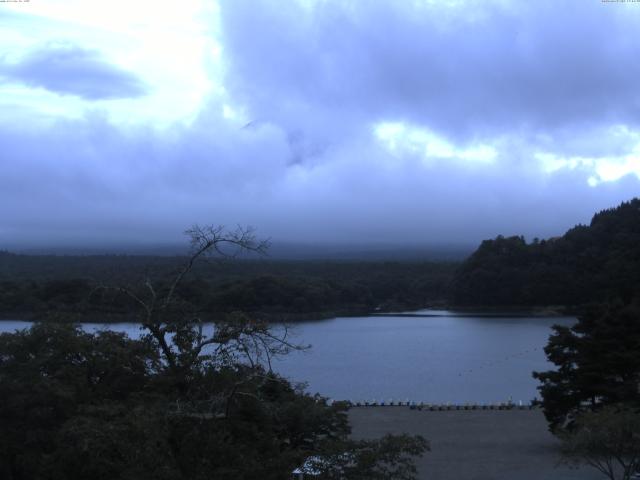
(598, 364)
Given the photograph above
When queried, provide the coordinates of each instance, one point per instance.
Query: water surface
(432, 359)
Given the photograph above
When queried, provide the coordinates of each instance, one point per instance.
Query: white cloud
(171, 46)
(600, 168)
(402, 139)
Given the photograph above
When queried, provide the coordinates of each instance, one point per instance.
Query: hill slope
(587, 264)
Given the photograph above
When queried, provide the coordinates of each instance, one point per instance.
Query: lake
(435, 359)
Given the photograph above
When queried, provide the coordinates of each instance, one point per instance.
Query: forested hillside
(65, 287)
(589, 263)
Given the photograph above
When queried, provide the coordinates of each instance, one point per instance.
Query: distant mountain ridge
(589, 263)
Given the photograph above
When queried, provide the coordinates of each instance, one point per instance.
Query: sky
(315, 121)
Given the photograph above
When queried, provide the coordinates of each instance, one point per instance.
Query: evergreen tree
(598, 364)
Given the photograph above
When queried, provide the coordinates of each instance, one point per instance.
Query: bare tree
(179, 332)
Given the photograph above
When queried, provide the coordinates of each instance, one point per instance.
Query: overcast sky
(315, 120)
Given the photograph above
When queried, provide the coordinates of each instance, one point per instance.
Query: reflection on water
(431, 359)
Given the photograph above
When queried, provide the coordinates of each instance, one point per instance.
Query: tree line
(51, 287)
(589, 263)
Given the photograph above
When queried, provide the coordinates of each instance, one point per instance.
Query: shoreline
(292, 318)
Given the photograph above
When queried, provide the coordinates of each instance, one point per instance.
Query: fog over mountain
(323, 122)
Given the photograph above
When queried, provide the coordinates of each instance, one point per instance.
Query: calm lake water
(432, 359)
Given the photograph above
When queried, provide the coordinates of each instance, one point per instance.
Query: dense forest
(68, 287)
(589, 263)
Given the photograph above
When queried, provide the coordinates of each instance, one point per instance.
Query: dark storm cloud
(71, 70)
(86, 181)
(480, 68)
(305, 165)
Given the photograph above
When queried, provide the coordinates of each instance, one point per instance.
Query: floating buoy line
(508, 405)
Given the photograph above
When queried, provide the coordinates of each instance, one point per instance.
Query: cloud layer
(71, 70)
(474, 68)
(404, 122)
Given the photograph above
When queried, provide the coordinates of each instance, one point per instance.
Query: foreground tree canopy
(598, 364)
(181, 402)
(592, 399)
